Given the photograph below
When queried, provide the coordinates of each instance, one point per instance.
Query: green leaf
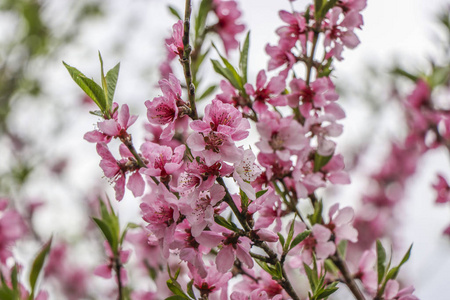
(97, 113)
(7, 294)
(190, 290)
(175, 288)
(14, 278)
(279, 271)
(244, 199)
(174, 12)
(111, 82)
(38, 263)
(406, 256)
(290, 235)
(106, 230)
(300, 238)
(312, 276)
(225, 73)
(281, 238)
(260, 193)
(243, 60)
(381, 258)
(439, 76)
(273, 271)
(177, 297)
(103, 79)
(316, 217)
(331, 267)
(317, 8)
(200, 21)
(208, 92)
(327, 292)
(320, 161)
(392, 274)
(329, 5)
(401, 72)
(92, 89)
(342, 248)
(124, 233)
(225, 223)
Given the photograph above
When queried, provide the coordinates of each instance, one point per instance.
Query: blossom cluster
(184, 171)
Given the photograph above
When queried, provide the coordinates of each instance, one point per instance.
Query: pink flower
(270, 93)
(115, 127)
(443, 190)
(189, 249)
(105, 270)
(233, 246)
(275, 167)
(269, 208)
(199, 208)
(334, 170)
(227, 26)
(284, 136)
(314, 96)
(340, 34)
(164, 110)
(246, 171)
(215, 135)
(264, 289)
(162, 160)
(319, 243)
(214, 282)
(224, 119)
(199, 175)
(175, 45)
(231, 96)
(160, 210)
(392, 292)
(294, 31)
(340, 224)
(281, 55)
(117, 170)
(367, 273)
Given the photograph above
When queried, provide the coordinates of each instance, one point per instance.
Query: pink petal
(103, 271)
(136, 184)
(225, 259)
(109, 127)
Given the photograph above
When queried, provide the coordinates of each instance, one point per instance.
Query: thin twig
(186, 61)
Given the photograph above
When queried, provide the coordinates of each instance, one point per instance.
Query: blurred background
(49, 173)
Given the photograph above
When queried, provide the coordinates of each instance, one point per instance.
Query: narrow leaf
(327, 292)
(381, 258)
(320, 161)
(200, 21)
(176, 297)
(329, 5)
(111, 82)
(190, 291)
(174, 12)
(243, 60)
(38, 263)
(281, 238)
(223, 222)
(260, 193)
(92, 89)
(208, 92)
(105, 229)
(175, 288)
(300, 238)
(225, 73)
